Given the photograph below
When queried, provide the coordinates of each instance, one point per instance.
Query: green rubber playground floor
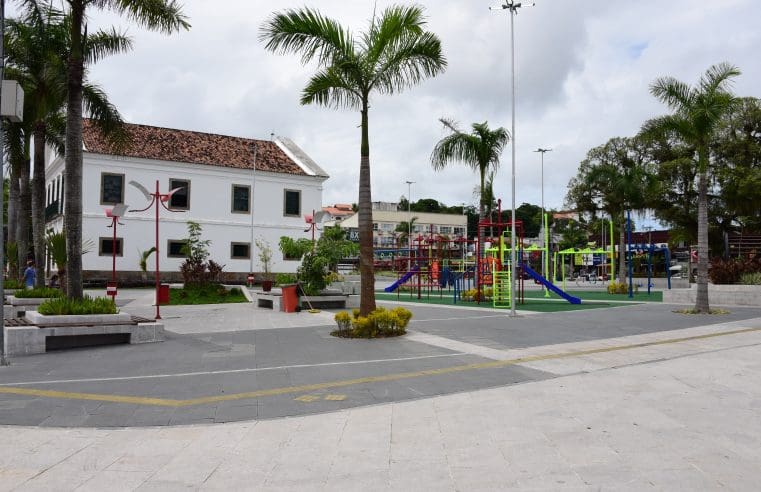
(538, 304)
(601, 295)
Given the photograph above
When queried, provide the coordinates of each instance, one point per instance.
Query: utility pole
(545, 243)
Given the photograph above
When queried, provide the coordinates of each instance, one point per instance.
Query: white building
(385, 223)
(238, 189)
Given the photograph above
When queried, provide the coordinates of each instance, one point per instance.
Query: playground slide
(405, 277)
(568, 297)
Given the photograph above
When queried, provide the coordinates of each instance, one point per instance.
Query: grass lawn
(538, 304)
(208, 294)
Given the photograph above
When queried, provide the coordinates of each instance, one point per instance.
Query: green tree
(161, 15)
(394, 53)
(615, 177)
(36, 46)
(404, 228)
(697, 112)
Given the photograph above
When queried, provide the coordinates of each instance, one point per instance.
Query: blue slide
(568, 297)
(405, 277)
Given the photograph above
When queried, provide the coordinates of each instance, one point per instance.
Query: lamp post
(409, 224)
(545, 244)
(114, 214)
(513, 7)
(156, 198)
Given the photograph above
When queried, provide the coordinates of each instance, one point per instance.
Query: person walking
(30, 275)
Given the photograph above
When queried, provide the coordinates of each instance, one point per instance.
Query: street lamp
(409, 224)
(114, 214)
(156, 198)
(545, 243)
(513, 7)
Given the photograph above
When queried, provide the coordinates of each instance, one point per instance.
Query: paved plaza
(626, 398)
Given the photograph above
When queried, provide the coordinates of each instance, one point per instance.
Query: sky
(583, 70)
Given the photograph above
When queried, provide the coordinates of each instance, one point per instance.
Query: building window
(445, 230)
(106, 246)
(375, 226)
(181, 198)
(241, 199)
(240, 251)
(459, 231)
(292, 203)
(111, 188)
(175, 249)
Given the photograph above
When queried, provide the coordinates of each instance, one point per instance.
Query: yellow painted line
(138, 400)
(356, 381)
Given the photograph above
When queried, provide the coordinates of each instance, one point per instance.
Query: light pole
(114, 214)
(545, 253)
(513, 7)
(409, 224)
(156, 198)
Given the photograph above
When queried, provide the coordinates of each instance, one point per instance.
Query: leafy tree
(161, 15)
(697, 112)
(573, 234)
(404, 228)
(394, 53)
(615, 177)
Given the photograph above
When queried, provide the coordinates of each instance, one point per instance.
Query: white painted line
(469, 348)
(232, 371)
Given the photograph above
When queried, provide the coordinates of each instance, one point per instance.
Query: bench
(337, 301)
(271, 300)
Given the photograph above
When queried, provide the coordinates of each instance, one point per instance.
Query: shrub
(473, 295)
(285, 278)
(751, 278)
(333, 277)
(731, 270)
(618, 288)
(86, 305)
(379, 323)
(39, 292)
(12, 283)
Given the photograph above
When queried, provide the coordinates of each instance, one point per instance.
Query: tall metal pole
(409, 225)
(158, 282)
(629, 250)
(2, 195)
(251, 211)
(546, 252)
(512, 6)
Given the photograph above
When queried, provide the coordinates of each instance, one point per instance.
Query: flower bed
(378, 324)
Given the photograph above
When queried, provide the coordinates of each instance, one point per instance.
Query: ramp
(536, 276)
(404, 279)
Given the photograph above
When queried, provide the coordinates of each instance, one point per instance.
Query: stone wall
(722, 295)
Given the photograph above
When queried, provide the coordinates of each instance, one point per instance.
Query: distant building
(338, 212)
(385, 206)
(385, 223)
(238, 189)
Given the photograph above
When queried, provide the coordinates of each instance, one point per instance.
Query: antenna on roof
(272, 136)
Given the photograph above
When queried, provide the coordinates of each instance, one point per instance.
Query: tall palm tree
(697, 112)
(162, 15)
(479, 150)
(393, 54)
(37, 45)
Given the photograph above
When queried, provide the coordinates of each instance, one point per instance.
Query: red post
(158, 199)
(113, 257)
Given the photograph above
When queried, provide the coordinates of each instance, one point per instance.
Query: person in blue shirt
(30, 275)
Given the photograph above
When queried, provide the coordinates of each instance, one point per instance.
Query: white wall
(210, 206)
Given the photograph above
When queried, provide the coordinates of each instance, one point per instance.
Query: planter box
(38, 319)
(722, 295)
(26, 301)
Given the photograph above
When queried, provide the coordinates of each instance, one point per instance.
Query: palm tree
(161, 15)
(37, 44)
(393, 54)
(698, 111)
(404, 228)
(479, 150)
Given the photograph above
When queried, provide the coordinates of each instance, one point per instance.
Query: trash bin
(290, 298)
(163, 294)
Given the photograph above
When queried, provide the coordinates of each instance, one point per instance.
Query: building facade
(239, 190)
(385, 223)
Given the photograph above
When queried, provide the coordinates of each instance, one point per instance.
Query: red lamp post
(156, 198)
(114, 214)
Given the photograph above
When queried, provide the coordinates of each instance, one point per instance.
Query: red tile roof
(166, 144)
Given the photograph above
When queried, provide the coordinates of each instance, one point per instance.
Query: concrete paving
(628, 398)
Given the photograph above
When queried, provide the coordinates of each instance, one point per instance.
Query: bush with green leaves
(12, 283)
(731, 270)
(195, 269)
(39, 292)
(379, 323)
(86, 305)
(751, 278)
(285, 278)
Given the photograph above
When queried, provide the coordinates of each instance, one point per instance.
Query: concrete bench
(336, 301)
(271, 300)
(23, 337)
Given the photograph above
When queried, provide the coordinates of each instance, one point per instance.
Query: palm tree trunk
(38, 204)
(701, 301)
(13, 201)
(73, 171)
(24, 216)
(367, 283)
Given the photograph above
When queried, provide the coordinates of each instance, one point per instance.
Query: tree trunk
(13, 202)
(622, 252)
(24, 216)
(73, 171)
(366, 266)
(38, 204)
(701, 301)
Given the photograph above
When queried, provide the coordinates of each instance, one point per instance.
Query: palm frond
(106, 43)
(672, 92)
(157, 15)
(105, 116)
(407, 62)
(330, 87)
(718, 77)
